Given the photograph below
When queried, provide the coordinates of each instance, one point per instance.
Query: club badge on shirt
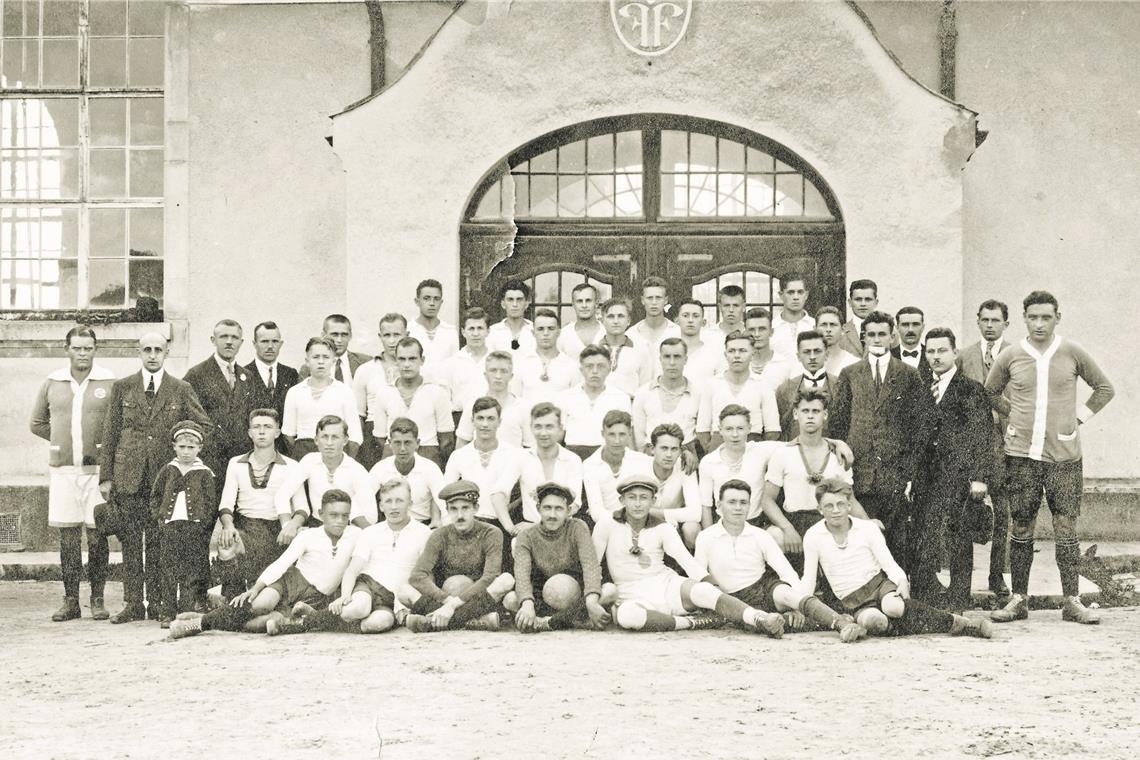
(100, 393)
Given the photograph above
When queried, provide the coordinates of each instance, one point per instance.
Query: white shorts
(657, 593)
(72, 496)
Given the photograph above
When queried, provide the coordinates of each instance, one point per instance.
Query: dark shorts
(869, 594)
(801, 520)
(759, 594)
(295, 587)
(1027, 480)
(381, 596)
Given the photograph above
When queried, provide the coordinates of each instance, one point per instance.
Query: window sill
(44, 338)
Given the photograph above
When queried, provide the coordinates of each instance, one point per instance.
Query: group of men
(564, 474)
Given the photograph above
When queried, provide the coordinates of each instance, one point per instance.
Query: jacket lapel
(164, 391)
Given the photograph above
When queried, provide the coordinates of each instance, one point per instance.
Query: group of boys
(665, 475)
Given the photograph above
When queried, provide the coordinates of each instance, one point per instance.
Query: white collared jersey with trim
(613, 540)
(736, 562)
(313, 552)
(849, 567)
(786, 469)
(1042, 390)
(239, 495)
(388, 555)
(758, 397)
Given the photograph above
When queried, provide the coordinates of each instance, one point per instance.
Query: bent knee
(407, 595)
(631, 616)
(893, 605)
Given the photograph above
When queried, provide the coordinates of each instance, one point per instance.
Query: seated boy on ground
(651, 596)
(745, 562)
(307, 572)
(865, 577)
(440, 591)
(556, 556)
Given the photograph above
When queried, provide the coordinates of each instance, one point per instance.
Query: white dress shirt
(912, 361)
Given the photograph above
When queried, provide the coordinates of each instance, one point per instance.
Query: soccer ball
(561, 591)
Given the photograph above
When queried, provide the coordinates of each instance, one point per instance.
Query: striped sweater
(1042, 398)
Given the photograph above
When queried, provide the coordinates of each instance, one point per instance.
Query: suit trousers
(184, 564)
(141, 541)
(940, 523)
(999, 495)
(893, 510)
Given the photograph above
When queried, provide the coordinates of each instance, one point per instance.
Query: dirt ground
(83, 689)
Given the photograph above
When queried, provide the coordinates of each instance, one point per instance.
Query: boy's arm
(675, 548)
(777, 561)
(884, 558)
(287, 559)
(811, 565)
(523, 560)
(355, 565)
(601, 537)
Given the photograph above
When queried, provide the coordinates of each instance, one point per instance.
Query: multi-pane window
(81, 153)
(553, 290)
(598, 177)
(759, 290)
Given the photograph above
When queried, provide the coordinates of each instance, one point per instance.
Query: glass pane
(566, 314)
(108, 17)
(108, 233)
(32, 123)
(732, 278)
(146, 121)
(146, 62)
(600, 195)
(147, 17)
(67, 160)
(108, 62)
(542, 190)
(702, 152)
(570, 280)
(108, 121)
(814, 205)
(759, 161)
(730, 190)
(546, 288)
(61, 19)
(629, 151)
(51, 173)
(108, 173)
(674, 195)
(572, 158)
(21, 64)
(731, 157)
(61, 63)
(572, 196)
(21, 19)
(627, 198)
(39, 285)
(600, 153)
(702, 194)
(711, 316)
(107, 283)
(146, 280)
(146, 173)
(605, 291)
(489, 207)
(789, 195)
(759, 194)
(674, 151)
(705, 292)
(756, 288)
(544, 163)
(522, 196)
(146, 232)
(782, 167)
(522, 168)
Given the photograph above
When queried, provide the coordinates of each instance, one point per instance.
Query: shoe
(283, 627)
(128, 614)
(702, 620)
(874, 621)
(770, 624)
(418, 623)
(1075, 611)
(303, 610)
(849, 630)
(795, 621)
(69, 610)
(98, 611)
(977, 627)
(542, 625)
(164, 621)
(401, 616)
(489, 622)
(1015, 609)
(999, 590)
(181, 627)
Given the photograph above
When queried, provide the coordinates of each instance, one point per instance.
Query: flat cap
(637, 480)
(550, 487)
(187, 427)
(460, 489)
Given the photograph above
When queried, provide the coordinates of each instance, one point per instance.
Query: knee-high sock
(226, 618)
(98, 558)
(473, 609)
(730, 607)
(1020, 561)
(919, 617)
(659, 621)
(818, 612)
(71, 559)
(1068, 551)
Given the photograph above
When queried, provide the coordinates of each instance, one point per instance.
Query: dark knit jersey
(478, 554)
(568, 550)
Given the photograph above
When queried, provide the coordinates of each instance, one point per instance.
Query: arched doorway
(698, 202)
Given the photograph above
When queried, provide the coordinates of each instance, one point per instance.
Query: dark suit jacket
(354, 361)
(956, 441)
(882, 426)
(286, 378)
(786, 396)
(923, 365)
(849, 339)
(228, 410)
(136, 432)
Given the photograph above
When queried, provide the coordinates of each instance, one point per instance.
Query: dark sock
(656, 622)
(819, 613)
(1068, 553)
(565, 619)
(919, 617)
(728, 606)
(321, 620)
(424, 606)
(473, 609)
(1020, 560)
(226, 618)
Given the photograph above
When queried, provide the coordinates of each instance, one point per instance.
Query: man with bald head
(136, 443)
(227, 393)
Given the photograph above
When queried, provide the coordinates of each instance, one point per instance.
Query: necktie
(878, 374)
(230, 375)
(339, 375)
(988, 356)
(910, 354)
(934, 390)
(150, 392)
(270, 385)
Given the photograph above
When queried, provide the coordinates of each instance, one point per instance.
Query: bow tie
(911, 354)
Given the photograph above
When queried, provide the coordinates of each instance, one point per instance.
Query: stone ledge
(44, 338)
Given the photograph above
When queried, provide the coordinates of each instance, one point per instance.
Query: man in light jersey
(736, 458)
(424, 478)
(678, 494)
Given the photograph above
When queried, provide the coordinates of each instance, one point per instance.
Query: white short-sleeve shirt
(425, 481)
(429, 409)
(714, 470)
(786, 470)
(755, 396)
(498, 475)
(582, 417)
